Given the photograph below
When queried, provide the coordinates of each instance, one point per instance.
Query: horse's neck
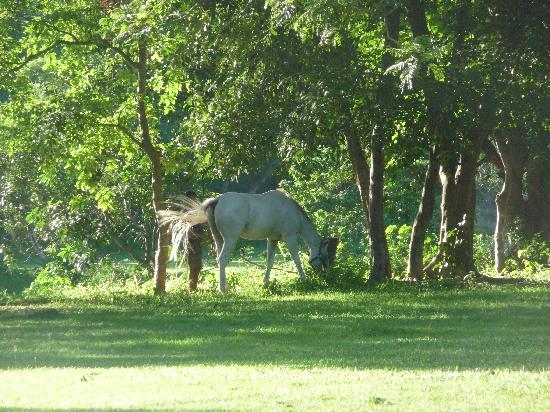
(310, 235)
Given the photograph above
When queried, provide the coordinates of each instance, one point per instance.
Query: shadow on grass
(469, 329)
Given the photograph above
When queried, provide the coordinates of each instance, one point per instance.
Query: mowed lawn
(395, 348)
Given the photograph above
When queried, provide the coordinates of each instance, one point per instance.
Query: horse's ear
(331, 248)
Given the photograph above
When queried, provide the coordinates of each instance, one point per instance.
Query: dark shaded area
(15, 282)
(506, 327)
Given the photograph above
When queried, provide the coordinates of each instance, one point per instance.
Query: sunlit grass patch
(238, 387)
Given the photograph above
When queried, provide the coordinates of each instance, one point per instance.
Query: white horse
(273, 215)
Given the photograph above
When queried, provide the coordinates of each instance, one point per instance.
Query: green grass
(388, 348)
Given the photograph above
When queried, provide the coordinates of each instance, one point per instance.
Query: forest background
(415, 131)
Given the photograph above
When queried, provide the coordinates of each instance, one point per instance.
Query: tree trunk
(422, 220)
(509, 201)
(380, 258)
(416, 15)
(362, 173)
(265, 174)
(161, 255)
(125, 247)
(361, 170)
(538, 195)
(380, 262)
(455, 258)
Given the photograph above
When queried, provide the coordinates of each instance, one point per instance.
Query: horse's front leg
(223, 260)
(271, 247)
(292, 244)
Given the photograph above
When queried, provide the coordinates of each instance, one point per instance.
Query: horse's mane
(299, 206)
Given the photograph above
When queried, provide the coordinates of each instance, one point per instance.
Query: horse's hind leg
(218, 242)
(223, 259)
(218, 239)
(271, 247)
(292, 244)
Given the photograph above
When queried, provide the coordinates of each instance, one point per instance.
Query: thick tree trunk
(455, 258)
(422, 221)
(492, 156)
(416, 15)
(509, 201)
(362, 173)
(380, 262)
(161, 255)
(538, 195)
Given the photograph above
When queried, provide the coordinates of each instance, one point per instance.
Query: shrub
(530, 256)
(483, 252)
(52, 277)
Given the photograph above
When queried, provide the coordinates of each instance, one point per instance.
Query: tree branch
(107, 44)
(125, 131)
(492, 156)
(41, 53)
(102, 42)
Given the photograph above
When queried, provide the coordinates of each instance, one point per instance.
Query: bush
(484, 252)
(398, 238)
(52, 277)
(398, 246)
(113, 272)
(531, 256)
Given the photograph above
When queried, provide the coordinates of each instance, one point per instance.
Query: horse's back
(272, 215)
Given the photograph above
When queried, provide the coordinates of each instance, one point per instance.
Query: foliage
(484, 252)
(51, 278)
(233, 86)
(531, 256)
(324, 186)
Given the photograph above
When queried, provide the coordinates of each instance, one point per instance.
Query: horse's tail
(210, 206)
(180, 222)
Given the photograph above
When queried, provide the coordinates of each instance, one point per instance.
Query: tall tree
(125, 48)
(381, 267)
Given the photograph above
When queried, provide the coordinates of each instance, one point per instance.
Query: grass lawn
(389, 348)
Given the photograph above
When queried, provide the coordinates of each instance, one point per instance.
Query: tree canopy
(108, 108)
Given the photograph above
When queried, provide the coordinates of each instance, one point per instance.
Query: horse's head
(324, 258)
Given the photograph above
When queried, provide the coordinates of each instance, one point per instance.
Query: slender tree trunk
(380, 259)
(361, 171)
(140, 259)
(161, 255)
(422, 221)
(380, 262)
(416, 15)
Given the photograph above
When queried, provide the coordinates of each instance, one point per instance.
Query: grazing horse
(273, 215)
